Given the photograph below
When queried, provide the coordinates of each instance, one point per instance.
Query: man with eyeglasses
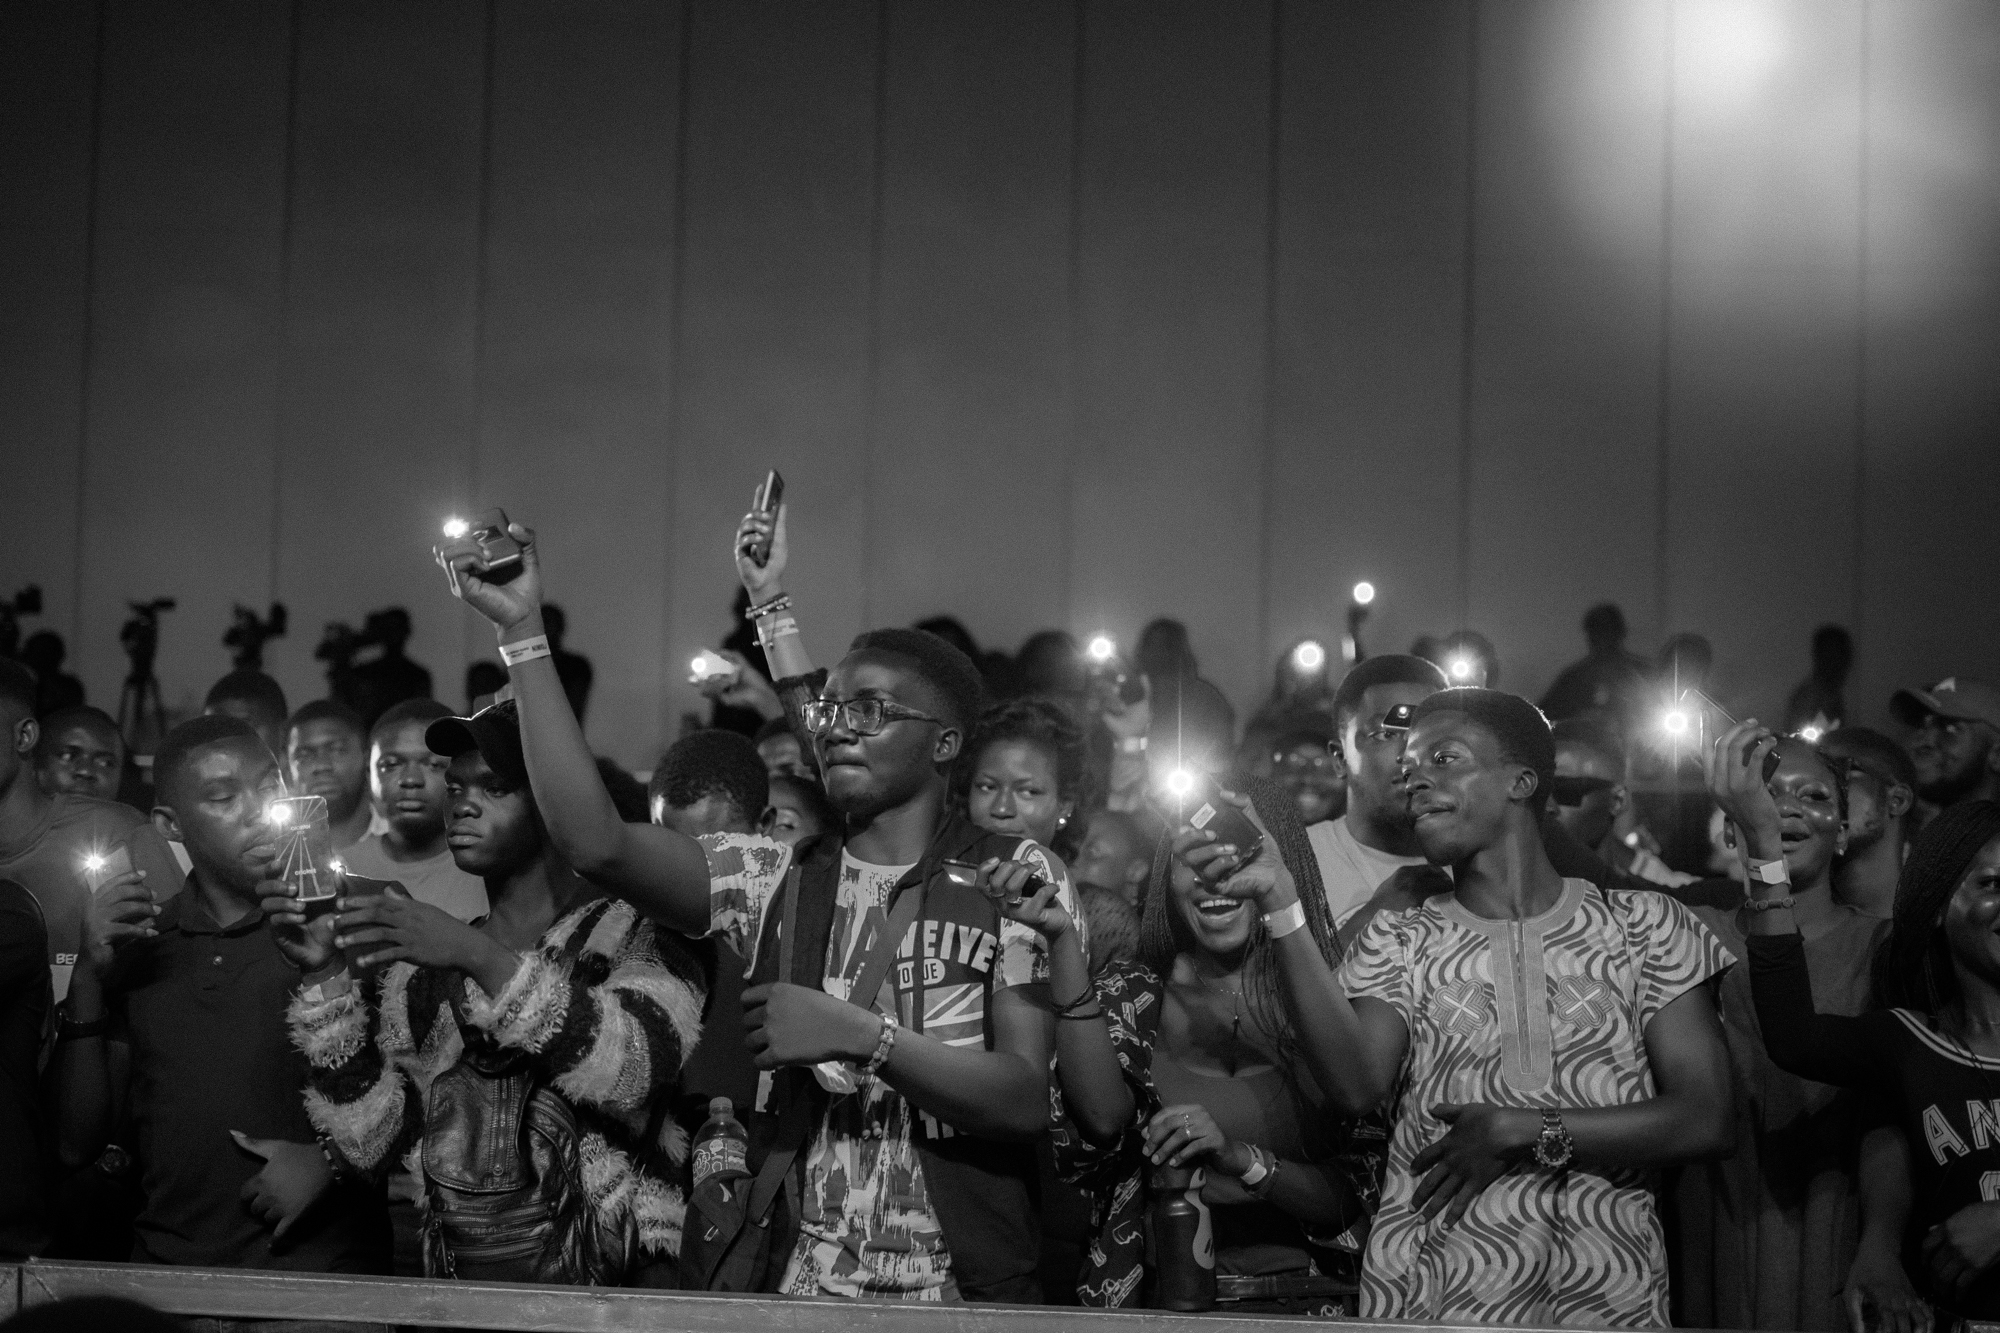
(80, 752)
(1954, 741)
(1589, 798)
(891, 1145)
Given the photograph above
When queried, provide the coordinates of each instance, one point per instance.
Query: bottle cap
(720, 1106)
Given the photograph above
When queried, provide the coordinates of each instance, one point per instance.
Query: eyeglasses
(864, 717)
(1575, 791)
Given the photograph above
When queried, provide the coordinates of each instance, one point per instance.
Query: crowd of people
(937, 974)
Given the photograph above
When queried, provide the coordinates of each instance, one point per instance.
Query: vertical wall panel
(1563, 430)
(771, 351)
(1370, 304)
(377, 426)
(969, 456)
(1932, 479)
(176, 486)
(1761, 405)
(47, 72)
(1167, 493)
(573, 389)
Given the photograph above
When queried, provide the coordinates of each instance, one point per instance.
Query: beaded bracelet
(782, 602)
(883, 1044)
(1783, 904)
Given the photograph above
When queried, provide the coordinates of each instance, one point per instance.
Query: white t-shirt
(1350, 871)
(437, 881)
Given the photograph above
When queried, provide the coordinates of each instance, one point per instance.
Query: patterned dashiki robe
(1546, 1012)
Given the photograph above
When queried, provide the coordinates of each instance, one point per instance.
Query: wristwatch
(1553, 1146)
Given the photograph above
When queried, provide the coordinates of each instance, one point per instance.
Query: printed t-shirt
(436, 880)
(1350, 870)
(1547, 1012)
(867, 1225)
(48, 862)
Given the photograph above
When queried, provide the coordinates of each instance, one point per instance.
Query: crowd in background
(931, 972)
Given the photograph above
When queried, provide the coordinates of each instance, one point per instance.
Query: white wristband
(527, 650)
(1770, 872)
(1285, 920)
(1257, 1170)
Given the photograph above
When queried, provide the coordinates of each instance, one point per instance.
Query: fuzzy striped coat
(607, 1009)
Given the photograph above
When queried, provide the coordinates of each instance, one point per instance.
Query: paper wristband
(1770, 872)
(1285, 920)
(527, 650)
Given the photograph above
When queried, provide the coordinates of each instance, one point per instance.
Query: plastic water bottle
(1183, 1242)
(721, 1171)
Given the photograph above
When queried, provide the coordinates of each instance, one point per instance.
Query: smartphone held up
(1191, 799)
(485, 537)
(712, 670)
(769, 496)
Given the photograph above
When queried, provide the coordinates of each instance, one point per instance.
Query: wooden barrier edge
(521, 1308)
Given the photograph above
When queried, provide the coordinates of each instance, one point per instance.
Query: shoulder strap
(881, 950)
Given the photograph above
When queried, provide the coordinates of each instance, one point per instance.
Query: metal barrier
(249, 1294)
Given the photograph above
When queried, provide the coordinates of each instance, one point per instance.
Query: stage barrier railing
(235, 1293)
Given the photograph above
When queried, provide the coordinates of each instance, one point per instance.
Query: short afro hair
(1594, 733)
(1392, 669)
(1524, 734)
(17, 687)
(709, 763)
(328, 710)
(422, 712)
(185, 741)
(81, 715)
(264, 696)
(949, 672)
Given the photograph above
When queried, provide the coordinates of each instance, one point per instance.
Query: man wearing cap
(557, 990)
(1955, 739)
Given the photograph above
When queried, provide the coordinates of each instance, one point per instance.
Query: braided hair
(1913, 968)
(1164, 934)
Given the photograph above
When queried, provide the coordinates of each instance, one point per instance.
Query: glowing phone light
(1809, 734)
(455, 528)
(699, 665)
(1461, 667)
(1180, 782)
(280, 814)
(1102, 648)
(1364, 593)
(1309, 656)
(1676, 722)
(337, 866)
(93, 863)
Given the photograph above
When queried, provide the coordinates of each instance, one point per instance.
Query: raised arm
(662, 873)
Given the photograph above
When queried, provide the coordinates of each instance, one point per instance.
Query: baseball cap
(1959, 697)
(494, 731)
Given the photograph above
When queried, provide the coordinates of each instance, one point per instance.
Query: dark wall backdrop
(1063, 312)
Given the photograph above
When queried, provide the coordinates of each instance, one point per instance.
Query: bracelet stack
(782, 602)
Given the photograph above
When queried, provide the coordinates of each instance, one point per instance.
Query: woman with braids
(1202, 1055)
(1766, 1236)
(1934, 1056)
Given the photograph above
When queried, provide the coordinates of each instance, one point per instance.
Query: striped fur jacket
(607, 1009)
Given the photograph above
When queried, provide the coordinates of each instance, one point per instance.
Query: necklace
(1235, 998)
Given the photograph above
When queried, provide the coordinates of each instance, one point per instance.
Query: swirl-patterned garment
(1546, 1012)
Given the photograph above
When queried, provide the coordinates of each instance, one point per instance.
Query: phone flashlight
(1809, 734)
(1364, 593)
(1102, 648)
(708, 666)
(455, 527)
(1461, 667)
(1309, 656)
(1180, 782)
(93, 863)
(1675, 722)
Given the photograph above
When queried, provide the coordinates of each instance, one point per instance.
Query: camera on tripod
(247, 635)
(27, 602)
(140, 636)
(141, 717)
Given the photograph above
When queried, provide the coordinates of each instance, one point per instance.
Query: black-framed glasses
(1575, 791)
(864, 717)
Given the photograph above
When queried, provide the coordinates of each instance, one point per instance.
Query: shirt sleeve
(1378, 965)
(1024, 954)
(151, 854)
(745, 871)
(1678, 951)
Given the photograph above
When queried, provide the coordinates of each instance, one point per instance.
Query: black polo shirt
(203, 1007)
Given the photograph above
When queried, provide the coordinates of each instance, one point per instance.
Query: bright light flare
(1309, 656)
(1809, 734)
(454, 528)
(93, 863)
(1676, 722)
(1180, 782)
(1461, 667)
(1364, 593)
(1102, 648)
(337, 866)
(280, 813)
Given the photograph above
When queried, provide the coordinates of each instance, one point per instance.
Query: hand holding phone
(1192, 800)
(769, 496)
(99, 867)
(712, 671)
